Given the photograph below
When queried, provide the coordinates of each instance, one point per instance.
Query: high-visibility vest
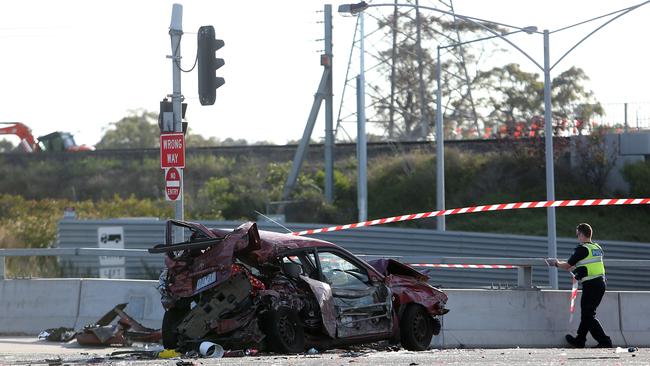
(593, 262)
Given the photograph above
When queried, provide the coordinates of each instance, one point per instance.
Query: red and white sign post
(172, 159)
(172, 150)
(173, 184)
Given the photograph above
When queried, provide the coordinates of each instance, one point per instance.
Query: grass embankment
(628, 223)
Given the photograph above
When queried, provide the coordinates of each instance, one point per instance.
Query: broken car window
(306, 269)
(340, 272)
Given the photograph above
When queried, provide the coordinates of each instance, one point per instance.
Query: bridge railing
(524, 266)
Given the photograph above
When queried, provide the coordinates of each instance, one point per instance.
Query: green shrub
(637, 176)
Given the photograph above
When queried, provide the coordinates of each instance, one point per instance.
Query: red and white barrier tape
(574, 294)
(492, 266)
(495, 207)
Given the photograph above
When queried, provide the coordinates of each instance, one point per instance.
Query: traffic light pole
(176, 32)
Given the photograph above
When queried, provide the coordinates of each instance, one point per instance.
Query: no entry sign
(172, 184)
(172, 150)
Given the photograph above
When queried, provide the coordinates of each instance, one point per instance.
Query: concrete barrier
(510, 318)
(100, 295)
(478, 318)
(635, 322)
(29, 306)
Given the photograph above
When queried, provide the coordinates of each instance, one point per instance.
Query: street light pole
(424, 120)
(440, 150)
(362, 158)
(550, 176)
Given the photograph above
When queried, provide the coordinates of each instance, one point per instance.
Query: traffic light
(208, 65)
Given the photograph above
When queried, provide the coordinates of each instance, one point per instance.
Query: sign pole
(176, 32)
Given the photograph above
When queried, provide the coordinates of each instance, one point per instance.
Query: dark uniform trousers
(592, 294)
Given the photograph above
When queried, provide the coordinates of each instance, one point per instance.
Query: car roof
(290, 241)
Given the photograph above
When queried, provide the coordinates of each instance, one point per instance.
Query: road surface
(31, 351)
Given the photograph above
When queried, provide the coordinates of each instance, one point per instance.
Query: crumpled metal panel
(391, 266)
(363, 313)
(126, 331)
(407, 290)
(221, 301)
(410, 286)
(323, 293)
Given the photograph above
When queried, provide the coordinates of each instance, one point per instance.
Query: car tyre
(416, 328)
(171, 319)
(284, 332)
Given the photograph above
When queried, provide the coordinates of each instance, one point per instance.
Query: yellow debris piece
(168, 353)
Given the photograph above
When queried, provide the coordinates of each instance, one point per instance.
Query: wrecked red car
(287, 293)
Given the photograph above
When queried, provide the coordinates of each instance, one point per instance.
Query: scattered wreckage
(102, 333)
(287, 293)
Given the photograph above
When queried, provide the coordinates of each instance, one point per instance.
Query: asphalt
(31, 351)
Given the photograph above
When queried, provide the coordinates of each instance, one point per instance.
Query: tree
(400, 110)
(196, 140)
(6, 146)
(475, 102)
(513, 95)
(516, 99)
(572, 101)
(138, 130)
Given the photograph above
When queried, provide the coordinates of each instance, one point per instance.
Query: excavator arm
(27, 140)
(55, 141)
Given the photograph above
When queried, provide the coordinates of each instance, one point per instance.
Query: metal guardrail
(524, 265)
(56, 252)
(377, 240)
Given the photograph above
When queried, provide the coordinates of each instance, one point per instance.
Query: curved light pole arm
(480, 39)
(596, 30)
(475, 21)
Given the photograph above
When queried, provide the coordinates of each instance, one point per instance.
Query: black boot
(576, 342)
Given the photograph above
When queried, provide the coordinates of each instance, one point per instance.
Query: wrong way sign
(172, 184)
(172, 150)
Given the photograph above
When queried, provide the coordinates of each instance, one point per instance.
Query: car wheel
(171, 319)
(416, 329)
(284, 332)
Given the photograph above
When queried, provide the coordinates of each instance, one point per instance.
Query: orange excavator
(55, 141)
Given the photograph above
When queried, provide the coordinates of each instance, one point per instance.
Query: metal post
(550, 177)
(362, 179)
(625, 106)
(2, 268)
(329, 125)
(424, 122)
(440, 150)
(176, 32)
(362, 195)
(393, 57)
(525, 277)
(299, 156)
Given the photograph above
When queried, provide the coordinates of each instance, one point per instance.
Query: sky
(77, 66)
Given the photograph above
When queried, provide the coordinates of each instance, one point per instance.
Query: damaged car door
(362, 302)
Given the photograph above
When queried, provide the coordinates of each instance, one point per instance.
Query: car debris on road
(102, 333)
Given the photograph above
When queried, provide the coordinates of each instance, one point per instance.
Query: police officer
(586, 264)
